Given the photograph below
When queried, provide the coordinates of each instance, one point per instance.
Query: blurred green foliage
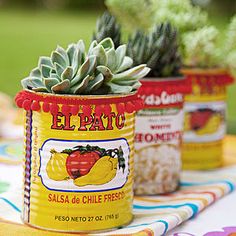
(54, 4)
(25, 35)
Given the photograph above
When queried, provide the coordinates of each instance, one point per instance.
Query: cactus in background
(181, 14)
(144, 14)
(230, 46)
(200, 48)
(134, 14)
(158, 49)
(103, 70)
(107, 27)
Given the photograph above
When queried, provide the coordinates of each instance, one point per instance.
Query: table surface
(217, 219)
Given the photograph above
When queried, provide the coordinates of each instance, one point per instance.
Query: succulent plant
(231, 35)
(107, 26)
(134, 14)
(229, 45)
(181, 14)
(200, 48)
(158, 49)
(144, 14)
(103, 70)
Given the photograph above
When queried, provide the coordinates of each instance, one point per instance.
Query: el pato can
(158, 136)
(78, 161)
(205, 118)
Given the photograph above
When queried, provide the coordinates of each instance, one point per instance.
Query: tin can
(78, 161)
(158, 137)
(205, 119)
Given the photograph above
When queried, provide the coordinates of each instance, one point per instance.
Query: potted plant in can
(79, 132)
(159, 125)
(205, 119)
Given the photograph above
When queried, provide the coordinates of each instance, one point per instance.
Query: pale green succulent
(103, 70)
(200, 48)
(181, 14)
(134, 14)
(230, 43)
(144, 14)
(229, 47)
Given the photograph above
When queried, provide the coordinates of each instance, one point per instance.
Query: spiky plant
(200, 48)
(103, 70)
(159, 50)
(107, 26)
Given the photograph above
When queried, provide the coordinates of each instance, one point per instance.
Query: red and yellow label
(205, 119)
(78, 170)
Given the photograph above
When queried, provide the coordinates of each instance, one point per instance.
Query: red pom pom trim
(35, 106)
(75, 110)
(54, 108)
(46, 107)
(66, 109)
(26, 105)
(120, 108)
(87, 110)
(34, 101)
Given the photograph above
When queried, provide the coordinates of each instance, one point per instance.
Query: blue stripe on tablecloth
(149, 223)
(191, 205)
(10, 203)
(188, 184)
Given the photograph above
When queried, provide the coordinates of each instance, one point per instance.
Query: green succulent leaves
(200, 48)
(158, 49)
(103, 70)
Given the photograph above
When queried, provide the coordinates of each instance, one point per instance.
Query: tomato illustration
(79, 163)
(199, 118)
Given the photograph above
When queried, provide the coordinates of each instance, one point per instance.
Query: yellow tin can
(205, 119)
(78, 161)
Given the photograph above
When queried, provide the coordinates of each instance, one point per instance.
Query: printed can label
(158, 139)
(78, 171)
(205, 122)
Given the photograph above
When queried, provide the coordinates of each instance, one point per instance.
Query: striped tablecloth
(153, 215)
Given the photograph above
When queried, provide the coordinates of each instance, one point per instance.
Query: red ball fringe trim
(51, 103)
(211, 80)
(171, 86)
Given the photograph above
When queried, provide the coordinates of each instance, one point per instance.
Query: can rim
(204, 71)
(164, 79)
(80, 97)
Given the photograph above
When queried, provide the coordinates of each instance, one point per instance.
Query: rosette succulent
(158, 49)
(107, 26)
(102, 70)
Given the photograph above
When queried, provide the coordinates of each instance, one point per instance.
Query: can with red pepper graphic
(158, 136)
(78, 161)
(205, 118)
